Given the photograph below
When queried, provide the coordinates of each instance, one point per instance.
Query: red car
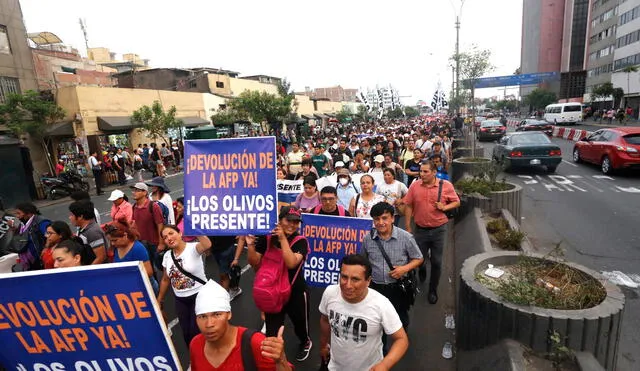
(612, 149)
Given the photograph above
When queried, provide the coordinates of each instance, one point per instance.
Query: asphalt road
(427, 331)
(594, 218)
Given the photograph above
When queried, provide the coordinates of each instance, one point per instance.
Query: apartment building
(602, 43)
(627, 52)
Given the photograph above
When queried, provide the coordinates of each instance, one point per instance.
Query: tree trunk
(473, 120)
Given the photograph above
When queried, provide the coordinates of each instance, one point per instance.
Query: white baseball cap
(378, 158)
(339, 164)
(116, 195)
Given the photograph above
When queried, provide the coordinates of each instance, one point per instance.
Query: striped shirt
(401, 248)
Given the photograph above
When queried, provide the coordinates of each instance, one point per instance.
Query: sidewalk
(92, 192)
(427, 331)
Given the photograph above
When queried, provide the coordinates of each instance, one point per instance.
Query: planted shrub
(497, 225)
(509, 239)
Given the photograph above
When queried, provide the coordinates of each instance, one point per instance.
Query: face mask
(343, 181)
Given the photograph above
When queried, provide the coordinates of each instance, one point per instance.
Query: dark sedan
(527, 149)
(535, 125)
(490, 130)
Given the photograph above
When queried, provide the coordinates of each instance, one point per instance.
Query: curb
(526, 245)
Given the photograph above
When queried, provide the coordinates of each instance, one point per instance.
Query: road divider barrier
(559, 132)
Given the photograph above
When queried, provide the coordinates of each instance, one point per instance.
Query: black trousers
(97, 175)
(396, 297)
(297, 308)
(432, 241)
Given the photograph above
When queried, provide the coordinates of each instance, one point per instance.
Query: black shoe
(422, 273)
(433, 297)
(303, 352)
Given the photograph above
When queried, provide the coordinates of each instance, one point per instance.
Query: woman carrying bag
(184, 272)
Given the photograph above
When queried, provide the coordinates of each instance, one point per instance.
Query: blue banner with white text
(330, 238)
(92, 318)
(230, 186)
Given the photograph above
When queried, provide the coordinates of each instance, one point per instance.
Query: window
(219, 84)
(8, 85)
(5, 48)
(192, 84)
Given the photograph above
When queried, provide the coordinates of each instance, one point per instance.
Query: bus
(563, 113)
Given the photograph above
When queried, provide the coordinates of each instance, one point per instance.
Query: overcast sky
(354, 43)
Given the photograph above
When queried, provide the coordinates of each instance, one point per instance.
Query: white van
(563, 113)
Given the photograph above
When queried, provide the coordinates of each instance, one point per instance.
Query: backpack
(248, 359)
(341, 212)
(271, 288)
(163, 209)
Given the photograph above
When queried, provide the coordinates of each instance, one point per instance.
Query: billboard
(513, 80)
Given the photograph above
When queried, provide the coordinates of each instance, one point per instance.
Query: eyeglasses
(327, 199)
(47, 233)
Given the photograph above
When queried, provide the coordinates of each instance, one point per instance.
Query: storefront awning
(115, 123)
(308, 117)
(60, 129)
(320, 116)
(192, 122)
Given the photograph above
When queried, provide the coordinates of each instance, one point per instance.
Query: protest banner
(230, 186)
(288, 190)
(330, 238)
(99, 317)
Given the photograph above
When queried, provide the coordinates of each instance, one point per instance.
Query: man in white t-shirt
(294, 160)
(353, 320)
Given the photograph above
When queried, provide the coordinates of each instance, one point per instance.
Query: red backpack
(271, 288)
(340, 210)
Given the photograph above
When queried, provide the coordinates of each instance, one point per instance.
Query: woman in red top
(59, 167)
(57, 232)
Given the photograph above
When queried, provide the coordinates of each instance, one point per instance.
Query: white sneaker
(235, 292)
(447, 351)
(264, 328)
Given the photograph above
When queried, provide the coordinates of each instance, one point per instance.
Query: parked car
(535, 125)
(611, 148)
(527, 149)
(490, 130)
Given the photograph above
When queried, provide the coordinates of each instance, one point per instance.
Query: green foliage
(508, 239)
(497, 225)
(262, 106)
(602, 91)
(540, 98)
(344, 113)
(395, 113)
(411, 112)
(155, 121)
(511, 105)
(484, 180)
(560, 353)
(29, 113)
(226, 117)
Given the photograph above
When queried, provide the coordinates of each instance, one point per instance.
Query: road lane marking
(603, 177)
(621, 279)
(569, 163)
(548, 186)
(628, 189)
(529, 179)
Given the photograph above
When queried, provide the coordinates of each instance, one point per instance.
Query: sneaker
(447, 350)
(303, 352)
(235, 292)
(450, 322)
(433, 297)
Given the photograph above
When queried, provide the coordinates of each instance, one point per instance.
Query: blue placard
(330, 238)
(101, 317)
(513, 80)
(230, 186)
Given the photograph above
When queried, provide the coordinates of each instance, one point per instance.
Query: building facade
(333, 93)
(542, 30)
(627, 52)
(602, 43)
(573, 74)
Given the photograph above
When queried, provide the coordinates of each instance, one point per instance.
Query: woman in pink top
(178, 210)
(310, 198)
(121, 208)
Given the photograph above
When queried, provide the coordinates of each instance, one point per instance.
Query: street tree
(540, 98)
(344, 113)
(155, 121)
(395, 113)
(473, 65)
(602, 91)
(629, 70)
(262, 106)
(509, 105)
(226, 117)
(411, 112)
(30, 113)
(618, 94)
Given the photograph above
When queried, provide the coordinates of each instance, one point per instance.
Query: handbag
(406, 284)
(183, 271)
(449, 213)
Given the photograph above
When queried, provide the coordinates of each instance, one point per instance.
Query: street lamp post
(458, 14)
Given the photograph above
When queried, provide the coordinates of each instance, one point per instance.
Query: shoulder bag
(406, 284)
(449, 213)
(183, 271)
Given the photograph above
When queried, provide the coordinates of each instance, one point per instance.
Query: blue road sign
(513, 80)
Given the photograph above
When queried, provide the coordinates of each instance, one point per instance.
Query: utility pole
(83, 26)
(458, 58)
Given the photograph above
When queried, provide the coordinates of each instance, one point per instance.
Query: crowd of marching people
(382, 171)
